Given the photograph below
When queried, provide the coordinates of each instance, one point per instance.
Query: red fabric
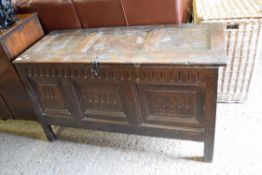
(53, 14)
(71, 14)
(100, 13)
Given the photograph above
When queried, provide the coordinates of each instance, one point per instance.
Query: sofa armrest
(53, 14)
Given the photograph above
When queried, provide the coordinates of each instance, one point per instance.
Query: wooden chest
(149, 80)
(14, 101)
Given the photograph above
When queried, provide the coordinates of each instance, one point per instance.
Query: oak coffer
(147, 80)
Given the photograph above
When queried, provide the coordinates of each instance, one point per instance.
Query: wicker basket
(243, 22)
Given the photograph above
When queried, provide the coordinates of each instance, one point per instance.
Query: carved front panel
(101, 99)
(51, 98)
(159, 94)
(171, 103)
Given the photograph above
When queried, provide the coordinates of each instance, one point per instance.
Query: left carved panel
(50, 96)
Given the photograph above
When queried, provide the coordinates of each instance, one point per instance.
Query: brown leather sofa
(70, 14)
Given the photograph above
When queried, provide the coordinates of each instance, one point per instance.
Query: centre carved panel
(101, 100)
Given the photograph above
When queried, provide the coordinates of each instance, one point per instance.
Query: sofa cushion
(100, 13)
(53, 14)
(69, 14)
(150, 11)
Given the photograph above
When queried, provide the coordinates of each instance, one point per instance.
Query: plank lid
(166, 44)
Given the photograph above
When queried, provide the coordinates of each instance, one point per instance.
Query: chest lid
(186, 44)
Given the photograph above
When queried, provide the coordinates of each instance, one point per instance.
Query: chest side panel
(23, 36)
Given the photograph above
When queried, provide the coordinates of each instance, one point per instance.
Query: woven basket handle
(232, 26)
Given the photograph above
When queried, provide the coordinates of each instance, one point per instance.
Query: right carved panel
(167, 104)
(173, 103)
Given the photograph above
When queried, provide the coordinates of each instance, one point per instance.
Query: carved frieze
(128, 73)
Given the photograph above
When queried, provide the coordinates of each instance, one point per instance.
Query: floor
(238, 147)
